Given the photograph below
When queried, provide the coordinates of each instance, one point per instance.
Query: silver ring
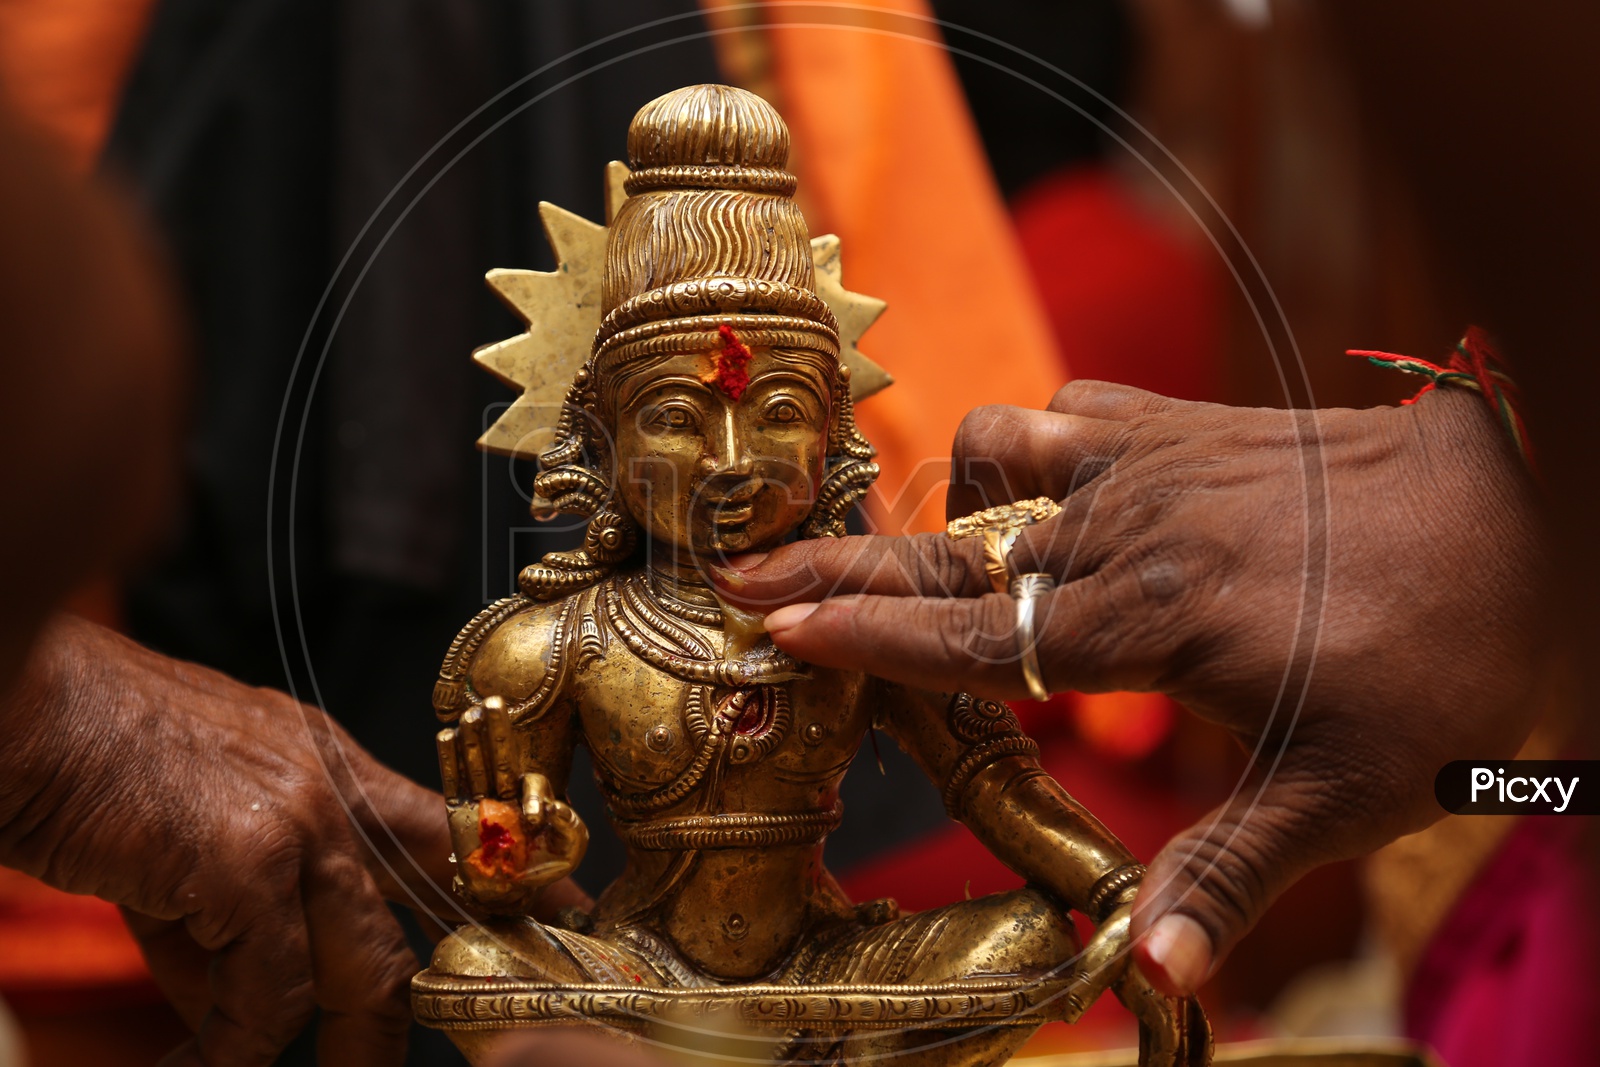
(1027, 589)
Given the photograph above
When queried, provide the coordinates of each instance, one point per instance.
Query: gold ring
(999, 527)
(1028, 589)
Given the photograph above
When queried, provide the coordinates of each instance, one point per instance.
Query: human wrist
(38, 716)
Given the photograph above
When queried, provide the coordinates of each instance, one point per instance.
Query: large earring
(567, 485)
(849, 471)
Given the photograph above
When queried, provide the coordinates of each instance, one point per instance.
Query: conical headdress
(707, 237)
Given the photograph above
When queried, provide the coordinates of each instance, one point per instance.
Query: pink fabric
(1510, 978)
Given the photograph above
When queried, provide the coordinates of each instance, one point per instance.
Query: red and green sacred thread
(1473, 365)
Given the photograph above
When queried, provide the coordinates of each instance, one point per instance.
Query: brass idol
(688, 380)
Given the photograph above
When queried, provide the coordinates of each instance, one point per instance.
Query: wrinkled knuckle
(979, 429)
(983, 437)
(1178, 582)
(940, 566)
(388, 998)
(1233, 891)
(1074, 394)
(988, 639)
(272, 850)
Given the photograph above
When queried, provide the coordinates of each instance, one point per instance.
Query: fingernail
(727, 577)
(747, 562)
(1176, 955)
(787, 618)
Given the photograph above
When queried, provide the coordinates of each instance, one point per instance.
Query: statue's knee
(1029, 932)
(519, 948)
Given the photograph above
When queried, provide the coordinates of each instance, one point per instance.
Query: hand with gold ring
(1284, 574)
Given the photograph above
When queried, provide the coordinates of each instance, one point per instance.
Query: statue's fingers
(1162, 1035)
(501, 747)
(535, 795)
(473, 758)
(924, 565)
(449, 764)
(1004, 454)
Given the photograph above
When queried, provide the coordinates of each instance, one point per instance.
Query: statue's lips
(733, 514)
(736, 508)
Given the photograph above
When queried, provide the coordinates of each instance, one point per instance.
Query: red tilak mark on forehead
(731, 373)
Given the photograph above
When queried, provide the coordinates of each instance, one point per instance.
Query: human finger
(553, 898)
(1085, 639)
(919, 565)
(178, 965)
(261, 988)
(361, 963)
(409, 853)
(1111, 401)
(1003, 453)
(500, 746)
(1211, 883)
(968, 644)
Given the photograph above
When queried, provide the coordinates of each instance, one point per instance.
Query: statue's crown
(709, 235)
(725, 137)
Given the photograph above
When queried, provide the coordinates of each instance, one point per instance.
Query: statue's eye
(671, 417)
(784, 411)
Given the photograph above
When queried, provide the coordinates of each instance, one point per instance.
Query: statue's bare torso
(734, 911)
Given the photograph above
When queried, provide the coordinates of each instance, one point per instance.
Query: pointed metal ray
(562, 310)
(855, 312)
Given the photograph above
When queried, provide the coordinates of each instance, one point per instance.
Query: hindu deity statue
(689, 374)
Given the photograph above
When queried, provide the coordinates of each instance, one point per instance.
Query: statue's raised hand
(511, 834)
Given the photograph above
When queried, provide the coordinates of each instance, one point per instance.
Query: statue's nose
(728, 452)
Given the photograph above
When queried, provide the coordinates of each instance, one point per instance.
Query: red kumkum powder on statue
(496, 839)
(731, 373)
(502, 845)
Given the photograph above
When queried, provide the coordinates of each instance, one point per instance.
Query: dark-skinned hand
(249, 840)
(1351, 593)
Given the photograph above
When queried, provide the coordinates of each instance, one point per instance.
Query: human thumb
(1207, 888)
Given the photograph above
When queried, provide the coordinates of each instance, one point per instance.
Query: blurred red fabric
(1130, 297)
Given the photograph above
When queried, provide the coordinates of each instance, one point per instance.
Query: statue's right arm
(506, 761)
(525, 662)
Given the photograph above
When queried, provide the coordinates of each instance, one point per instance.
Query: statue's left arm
(988, 770)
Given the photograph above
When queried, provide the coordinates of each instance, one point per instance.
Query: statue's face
(715, 476)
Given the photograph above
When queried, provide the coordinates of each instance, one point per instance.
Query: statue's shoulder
(518, 649)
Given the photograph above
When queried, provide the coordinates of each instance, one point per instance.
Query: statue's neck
(682, 580)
